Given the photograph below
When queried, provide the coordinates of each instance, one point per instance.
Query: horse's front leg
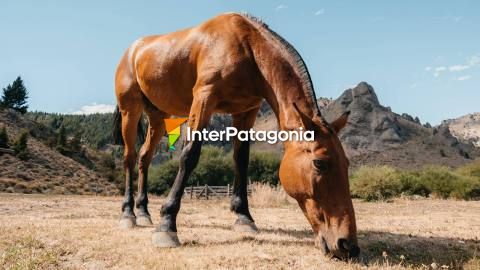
(165, 234)
(239, 202)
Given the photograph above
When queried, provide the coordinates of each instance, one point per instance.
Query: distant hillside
(466, 128)
(95, 129)
(47, 170)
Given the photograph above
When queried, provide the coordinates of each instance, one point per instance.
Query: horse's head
(316, 175)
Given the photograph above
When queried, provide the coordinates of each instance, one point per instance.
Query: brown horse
(229, 64)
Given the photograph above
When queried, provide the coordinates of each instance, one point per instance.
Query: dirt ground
(80, 232)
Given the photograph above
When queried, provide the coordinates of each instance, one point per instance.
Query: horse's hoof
(165, 239)
(127, 223)
(144, 221)
(245, 227)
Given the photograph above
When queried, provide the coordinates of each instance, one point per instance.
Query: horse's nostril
(343, 244)
(347, 247)
(354, 251)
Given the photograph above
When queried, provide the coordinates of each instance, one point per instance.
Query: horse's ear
(341, 122)
(307, 122)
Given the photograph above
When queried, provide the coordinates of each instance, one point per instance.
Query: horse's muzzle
(347, 248)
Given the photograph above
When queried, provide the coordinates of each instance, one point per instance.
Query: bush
(445, 183)
(263, 167)
(380, 183)
(20, 146)
(3, 137)
(410, 184)
(375, 183)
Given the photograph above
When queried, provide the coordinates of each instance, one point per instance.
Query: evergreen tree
(61, 139)
(15, 96)
(3, 137)
(76, 142)
(20, 146)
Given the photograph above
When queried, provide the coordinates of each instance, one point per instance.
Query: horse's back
(167, 67)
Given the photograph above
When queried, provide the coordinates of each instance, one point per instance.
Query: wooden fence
(206, 191)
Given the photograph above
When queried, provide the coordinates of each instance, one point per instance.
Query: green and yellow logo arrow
(173, 130)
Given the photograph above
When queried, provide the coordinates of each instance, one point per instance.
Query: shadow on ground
(384, 248)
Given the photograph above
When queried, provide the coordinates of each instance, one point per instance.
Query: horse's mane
(300, 66)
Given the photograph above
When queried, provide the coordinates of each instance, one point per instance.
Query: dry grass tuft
(29, 253)
(264, 195)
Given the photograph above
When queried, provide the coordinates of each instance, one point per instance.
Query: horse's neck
(282, 89)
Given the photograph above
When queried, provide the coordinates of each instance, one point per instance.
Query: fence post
(191, 191)
(206, 191)
(228, 191)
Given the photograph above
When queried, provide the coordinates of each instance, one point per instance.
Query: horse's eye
(320, 164)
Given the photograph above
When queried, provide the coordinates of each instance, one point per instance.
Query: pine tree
(3, 137)
(15, 96)
(20, 146)
(76, 142)
(61, 139)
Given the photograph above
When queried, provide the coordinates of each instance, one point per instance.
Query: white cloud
(463, 78)
(438, 70)
(458, 67)
(320, 12)
(95, 108)
(281, 6)
(413, 85)
(455, 19)
(472, 61)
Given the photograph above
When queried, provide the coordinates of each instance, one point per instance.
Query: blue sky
(422, 57)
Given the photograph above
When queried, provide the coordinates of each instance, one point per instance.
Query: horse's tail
(117, 128)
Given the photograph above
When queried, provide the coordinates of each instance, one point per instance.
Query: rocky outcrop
(375, 134)
(466, 128)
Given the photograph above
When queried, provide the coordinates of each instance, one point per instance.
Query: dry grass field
(80, 232)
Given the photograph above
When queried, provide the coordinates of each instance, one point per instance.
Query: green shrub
(472, 169)
(3, 137)
(375, 183)
(410, 184)
(263, 167)
(380, 183)
(20, 146)
(445, 183)
(214, 168)
(161, 177)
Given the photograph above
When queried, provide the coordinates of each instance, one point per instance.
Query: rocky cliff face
(466, 128)
(376, 135)
(371, 126)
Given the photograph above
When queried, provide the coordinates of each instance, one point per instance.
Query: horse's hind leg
(165, 234)
(131, 113)
(239, 202)
(156, 129)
